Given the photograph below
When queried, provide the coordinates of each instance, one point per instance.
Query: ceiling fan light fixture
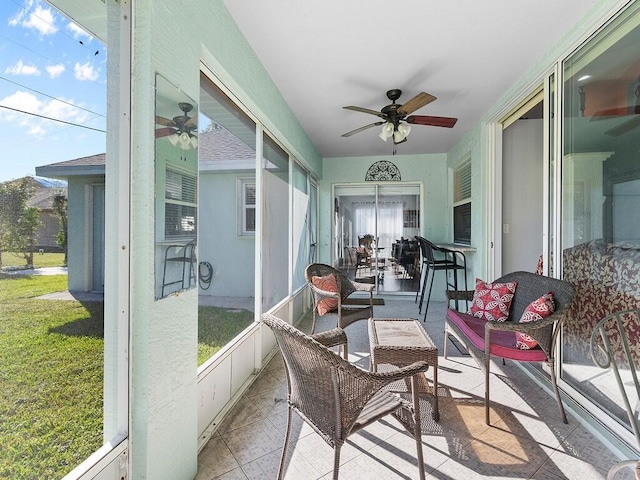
(185, 140)
(174, 139)
(401, 133)
(387, 131)
(194, 141)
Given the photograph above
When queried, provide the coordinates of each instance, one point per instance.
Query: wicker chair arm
(331, 338)
(401, 373)
(459, 295)
(522, 327)
(323, 293)
(363, 287)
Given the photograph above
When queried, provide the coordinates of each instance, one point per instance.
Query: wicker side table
(402, 341)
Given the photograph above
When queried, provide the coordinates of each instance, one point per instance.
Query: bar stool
(450, 260)
(184, 254)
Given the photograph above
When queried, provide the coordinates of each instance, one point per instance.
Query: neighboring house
(45, 189)
(218, 151)
(85, 216)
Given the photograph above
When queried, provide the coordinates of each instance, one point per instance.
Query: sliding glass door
(374, 230)
(601, 205)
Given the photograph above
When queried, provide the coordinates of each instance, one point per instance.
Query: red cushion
(536, 310)
(327, 283)
(502, 343)
(492, 301)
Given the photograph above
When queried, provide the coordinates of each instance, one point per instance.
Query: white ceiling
(326, 54)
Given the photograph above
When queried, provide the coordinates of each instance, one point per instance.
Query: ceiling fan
(181, 129)
(396, 118)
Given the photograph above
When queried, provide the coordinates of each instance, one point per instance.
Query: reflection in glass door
(600, 205)
(374, 230)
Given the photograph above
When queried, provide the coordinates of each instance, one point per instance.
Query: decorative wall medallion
(381, 171)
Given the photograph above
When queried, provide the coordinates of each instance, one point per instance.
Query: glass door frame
(376, 187)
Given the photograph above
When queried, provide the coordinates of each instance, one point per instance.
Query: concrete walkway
(64, 295)
(37, 271)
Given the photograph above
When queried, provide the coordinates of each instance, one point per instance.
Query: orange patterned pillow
(327, 283)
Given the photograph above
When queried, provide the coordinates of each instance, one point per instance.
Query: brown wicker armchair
(348, 310)
(335, 397)
(499, 338)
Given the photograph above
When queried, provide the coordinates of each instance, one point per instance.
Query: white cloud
(85, 72)
(40, 19)
(21, 68)
(78, 32)
(55, 71)
(36, 126)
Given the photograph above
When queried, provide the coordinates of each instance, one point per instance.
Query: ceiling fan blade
(365, 110)
(419, 101)
(164, 121)
(623, 127)
(615, 112)
(165, 132)
(447, 122)
(192, 122)
(361, 129)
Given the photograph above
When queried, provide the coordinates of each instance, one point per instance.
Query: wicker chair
(335, 397)
(349, 310)
(499, 338)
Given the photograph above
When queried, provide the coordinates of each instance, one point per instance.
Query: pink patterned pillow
(491, 301)
(327, 283)
(536, 310)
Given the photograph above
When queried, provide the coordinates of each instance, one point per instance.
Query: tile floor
(526, 440)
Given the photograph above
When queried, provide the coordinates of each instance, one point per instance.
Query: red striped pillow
(327, 283)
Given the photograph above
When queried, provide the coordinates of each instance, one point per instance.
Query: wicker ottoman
(400, 342)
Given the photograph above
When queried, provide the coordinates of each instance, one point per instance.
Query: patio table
(400, 342)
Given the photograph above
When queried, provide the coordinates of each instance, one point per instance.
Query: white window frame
(462, 196)
(168, 200)
(243, 206)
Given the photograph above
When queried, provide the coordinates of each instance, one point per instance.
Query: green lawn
(51, 366)
(10, 259)
(217, 326)
(51, 374)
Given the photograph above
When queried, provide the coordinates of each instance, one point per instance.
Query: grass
(51, 374)
(217, 326)
(10, 259)
(51, 366)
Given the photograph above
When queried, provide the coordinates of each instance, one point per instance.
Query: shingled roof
(217, 149)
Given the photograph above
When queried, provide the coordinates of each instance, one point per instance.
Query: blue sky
(49, 67)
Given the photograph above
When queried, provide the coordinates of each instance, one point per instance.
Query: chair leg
(419, 284)
(417, 433)
(284, 446)
(426, 308)
(446, 340)
(313, 322)
(424, 287)
(557, 392)
(345, 351)
(487, 366)
(336, 461)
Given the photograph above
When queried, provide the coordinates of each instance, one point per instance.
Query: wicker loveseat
(499, 338)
